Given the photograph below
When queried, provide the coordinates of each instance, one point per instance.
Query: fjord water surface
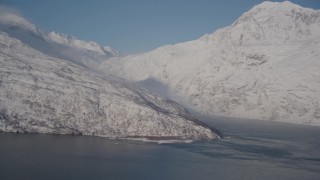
(251, 150)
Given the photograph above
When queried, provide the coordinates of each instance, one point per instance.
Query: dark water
(255, 150)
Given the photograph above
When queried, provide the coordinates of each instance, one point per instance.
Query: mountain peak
(274, 23)
(269, 4)
(279, 9)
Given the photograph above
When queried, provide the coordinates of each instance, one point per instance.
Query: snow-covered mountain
(266, 65)
(41, 93)
(89, 54)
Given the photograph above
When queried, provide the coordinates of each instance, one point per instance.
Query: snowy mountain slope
(42, 94)
(264, 66)
(54, 44)
(72, 41)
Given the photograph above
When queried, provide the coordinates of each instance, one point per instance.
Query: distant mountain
(266, 65)
(54, 44)
(41, 92)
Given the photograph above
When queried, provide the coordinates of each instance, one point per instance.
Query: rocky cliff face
(43, 94)
(263, 66)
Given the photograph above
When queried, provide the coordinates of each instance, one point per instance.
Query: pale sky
(132, 26)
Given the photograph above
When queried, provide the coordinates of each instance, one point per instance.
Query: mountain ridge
(62, 46)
